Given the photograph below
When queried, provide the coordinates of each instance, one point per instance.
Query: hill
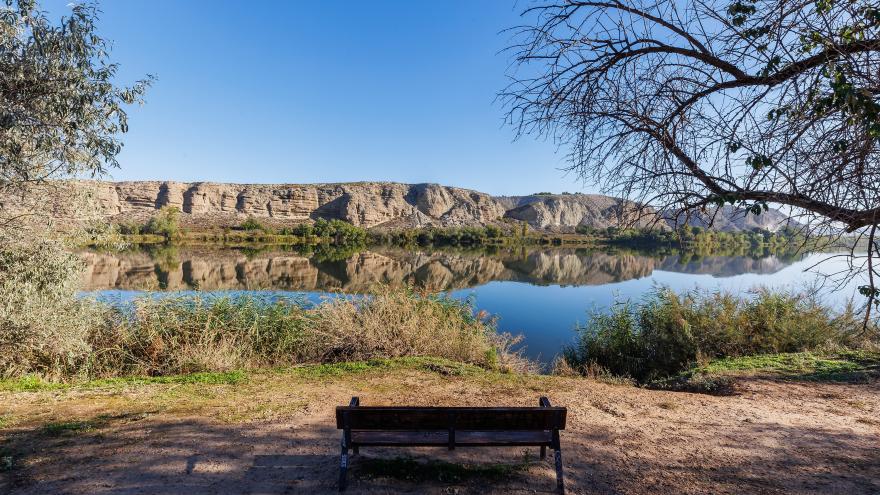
(382, 205)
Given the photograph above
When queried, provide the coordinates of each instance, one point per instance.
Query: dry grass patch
(180, 335)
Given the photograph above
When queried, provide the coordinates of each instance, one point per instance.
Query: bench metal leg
(343, 467)
(543, 452)
(560, 484)
(346, 443)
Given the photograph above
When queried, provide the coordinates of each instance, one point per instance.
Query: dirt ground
(276, 434)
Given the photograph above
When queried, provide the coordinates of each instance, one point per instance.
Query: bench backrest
(444, 418)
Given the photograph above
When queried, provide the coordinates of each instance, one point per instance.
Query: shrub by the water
(447, 236)
(397, 322)
(179, 334)
(48, 332)
(252, 223)
(669, 332)
(166, 222)
(44, 328)
(339, 232)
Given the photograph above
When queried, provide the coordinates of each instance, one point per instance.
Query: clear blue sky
(296, 91)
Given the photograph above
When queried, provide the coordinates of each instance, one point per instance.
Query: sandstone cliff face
(733, 219)
(565, 212)
(385, 205)
(367, 204)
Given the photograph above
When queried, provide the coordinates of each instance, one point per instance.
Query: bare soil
(276, 434)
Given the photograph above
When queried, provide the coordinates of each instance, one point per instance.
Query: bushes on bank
(179, 334)
(58, 336)
(339, 233)
(668, 332)
(252, 223)
(165, 223)
(44, 328)
(130, 228)
(397, 322)
(437, 236)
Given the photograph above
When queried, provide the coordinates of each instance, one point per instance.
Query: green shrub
(494, 231)
(165, 223)
(339, 232)
(668, 332)
(129, 228)
(252, 223)
(586, 230)
(303, 230)
(44, 327)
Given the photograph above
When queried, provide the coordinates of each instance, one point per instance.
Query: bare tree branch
(687, 106)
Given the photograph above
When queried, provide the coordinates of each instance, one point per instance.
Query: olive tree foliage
(688, 105)
(61, 114)
(61, 110)
(44, 327)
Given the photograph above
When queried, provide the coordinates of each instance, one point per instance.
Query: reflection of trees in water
(312, 269)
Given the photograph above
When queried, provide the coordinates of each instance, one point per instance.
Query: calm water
(540, 293)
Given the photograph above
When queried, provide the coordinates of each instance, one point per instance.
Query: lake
(539, 293)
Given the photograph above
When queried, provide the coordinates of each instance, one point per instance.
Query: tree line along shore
(164, 227)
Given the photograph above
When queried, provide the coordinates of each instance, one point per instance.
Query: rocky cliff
(366, 204)
(731, 219)
(385, 205)
(565, 212)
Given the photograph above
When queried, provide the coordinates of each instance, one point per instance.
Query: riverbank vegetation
(164, 227)
(665, 339)
(699, 237)
(51, 333)
(673, 336)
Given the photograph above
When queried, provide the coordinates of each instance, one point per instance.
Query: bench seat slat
(390, 438)
(514, 438)
(462, 438)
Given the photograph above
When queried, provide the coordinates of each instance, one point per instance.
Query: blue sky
(324, 92)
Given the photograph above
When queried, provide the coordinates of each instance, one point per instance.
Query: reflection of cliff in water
(722, 266)
(432, 270)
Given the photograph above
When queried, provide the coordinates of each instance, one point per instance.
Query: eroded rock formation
(564, 212)
(366, 204)
(385, 205)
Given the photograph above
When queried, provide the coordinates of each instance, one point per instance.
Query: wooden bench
(450, 427)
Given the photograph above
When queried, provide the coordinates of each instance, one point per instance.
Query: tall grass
(186, 334)
(668, 332)
(398, 322)
(158, 336)
(47, 331)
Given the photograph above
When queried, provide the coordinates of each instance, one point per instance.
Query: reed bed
(668, 332)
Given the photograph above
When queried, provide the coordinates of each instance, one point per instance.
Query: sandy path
(774, 437)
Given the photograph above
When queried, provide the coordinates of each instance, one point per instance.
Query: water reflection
(435, 270)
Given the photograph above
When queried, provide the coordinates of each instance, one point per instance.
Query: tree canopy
(61, 109)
